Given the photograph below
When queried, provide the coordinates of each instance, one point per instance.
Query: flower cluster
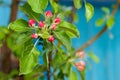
(43, 25)
(81, 64)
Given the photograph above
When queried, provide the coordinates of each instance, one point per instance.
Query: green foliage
(38, 6)
(54, 5)
(109, 19)
(77, 4)
(9, 76)
(23, 46)
(89, 11)
(30, 13)
(93, 57)
(29, 59)
(63, 38)
(106, 10)
(73, 75)
(110, 22)
(69, 28)
(19, 25)
(100, 22)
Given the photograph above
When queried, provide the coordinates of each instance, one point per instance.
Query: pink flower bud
(80, 54)
(77, 64)
(57, 20)
(41, 24)
(31, 22)
(34, 35)
(51, 39)
(48, 13)
(82, 63)
(53, 26)
(80, 68)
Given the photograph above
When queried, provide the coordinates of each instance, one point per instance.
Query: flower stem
(49, 65)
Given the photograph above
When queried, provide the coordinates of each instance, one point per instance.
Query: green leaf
(28, 62)
(3, 32)
(93, 57)
(59, 58)
(54, 6)
(69, 29)
(16, 43)
(73, 75)
(2, 35)
(19, 25)
(110, 22)
(64, 39)
(29, 59)
(100, 22)
(38, 6)
(89, 11)
(106, 10)
(45, 34)
(77, 3)
(1, 44)
(31, 14)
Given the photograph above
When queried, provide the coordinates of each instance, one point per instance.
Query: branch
(100, 33)
(49, 65)
(14, 9)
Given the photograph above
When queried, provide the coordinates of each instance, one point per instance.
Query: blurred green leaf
(73, 75)
(63, 38)
(27, 10)
(89, 11)
(19, 25)
(69, 29)
(1, 44)
(3, 32)
(38, 6)
(77, 3)
(93, 57)
(16, 43)
(54, 5)
(110, 22)
(2, 35)
(59, 58)
(106, 10)
(99, 22)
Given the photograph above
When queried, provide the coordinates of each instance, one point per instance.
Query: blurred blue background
(107, 47)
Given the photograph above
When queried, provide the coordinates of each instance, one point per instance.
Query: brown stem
(100, 33)
(14, 9)
(49, 65)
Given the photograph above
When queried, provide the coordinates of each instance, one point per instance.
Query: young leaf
(89, 11)
(19, 25)
(100, 22)
(31, 14)
(110, 22)
(29, 58)
(64, 39)
(69, 28)
(38, 6)
(73, 75)
(106, 10)
(93, 57)
(54, 6)
(77, 3)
